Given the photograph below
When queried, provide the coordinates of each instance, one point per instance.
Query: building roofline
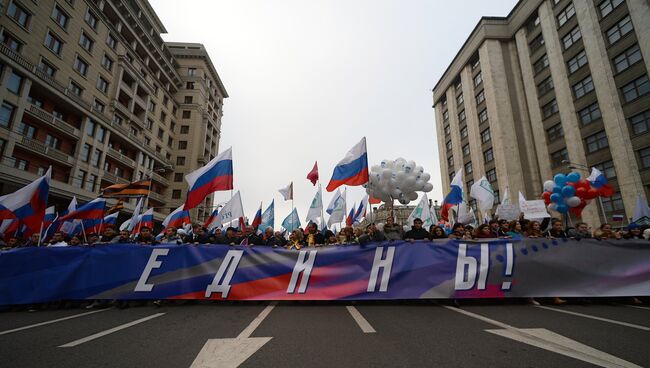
(154, 16)
(198, 51)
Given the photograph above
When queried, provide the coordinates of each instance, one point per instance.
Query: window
(636, 88)
(589, 114)
(480, 97)
(100, 135)
(11, 42)
(14, 83)
(596, 142)
(90, 128)
(545, 86)
(187, 114)
(577, 62)
(488, 155)
(52, 141)
(148, 124)
(91, 183)
(555, 132)
(180, 160)
(170, 142)
(26, 130)
(21, 164)
(147, 140)
(462, 116)
(627, 58)
(18, 13)
(182, 145)
(558, 156)
(608, 6)
(189, 85)
(485, 136)
(75, 88)
(482, 116)
(98, 106)
(583, 87)
(3, 144)
(478, 79)
(86, 42)
(176, 193)
(91, 19)
(571, 37)
(191, 72)
(644, 155)
(459, 99)
(107, 62)
(640, 123)
(468, 168)
(102, 85)
(566, 14)
(533, 22)
(185, 129)
(85, 152)
(549, 109)
(445, 115)
(60, 17)
(188, 99)
(178, 177)
(97, 156)
(160, 133)
(476, 63)
(47, 68)
(111, 41)
(6, 114)
(457, 84)
(607, 168)
(491, 175)
(541, 64)
(80, 66)
(151, 106)
(623, 27)
(53, 43)
(450, 161)
(536, 43)
(613, 203)
(466, 150)
(463, 132)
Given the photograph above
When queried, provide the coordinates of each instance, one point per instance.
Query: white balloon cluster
(399, 179)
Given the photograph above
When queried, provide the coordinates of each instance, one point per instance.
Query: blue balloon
(557, 189)
(568, 191)
(573, 177)
(557, 198)
(562, 208)
(560, 179)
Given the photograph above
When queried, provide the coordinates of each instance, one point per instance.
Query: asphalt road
(301, 334)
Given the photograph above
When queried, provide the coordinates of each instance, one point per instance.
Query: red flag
(373, 200)
(313, 174)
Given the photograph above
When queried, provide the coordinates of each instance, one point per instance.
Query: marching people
(313, 236)
(296, 240)
(417, 232)
(534, 230)
(123, 238)
(605, 232)
(484, 231)
(515, 230)
(75, 241)
(392, 230)
(436, 232)
(458, 231)
(372, 235)
(634, 232)
(170, 236)
(145, 237)
(556, 231)
(108, 235)
(581, 231)
(57, 240)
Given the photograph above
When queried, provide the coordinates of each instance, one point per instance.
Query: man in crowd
(230, 238)
(417, 232)
(145, 237)
(170, 236)
(108, 235)
(123, 238)
(57, 240)
(504, 228)
(392, 230)
(556, 231)
(372, 235)
(33, 240)
(581, 231)
(314, 237)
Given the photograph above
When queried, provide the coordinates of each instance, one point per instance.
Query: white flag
(423, 212)
(136, 214)
(505, 198)
(483, 193)
(641, 209)
(336, 209)
(69, 226)
(231, 211)
(466, 214)
(316, 209)
(287, 192)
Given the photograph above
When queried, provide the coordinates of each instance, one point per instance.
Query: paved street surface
(301, 334)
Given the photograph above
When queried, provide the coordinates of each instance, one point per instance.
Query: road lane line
(551, 341)
(110, 331)
(52, 321)
(636, 306)
(360, 320)
(638, 327)
(248, 331)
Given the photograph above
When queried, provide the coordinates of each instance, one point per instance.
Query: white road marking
(360, 320)
(227, 353)
(110, 331)
(636, 306)
(551, 341)
(52, 321)
(644, 328)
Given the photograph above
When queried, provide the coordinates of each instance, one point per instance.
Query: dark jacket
(319, 239)
(393, 232)
(556, 234)
(417, 234)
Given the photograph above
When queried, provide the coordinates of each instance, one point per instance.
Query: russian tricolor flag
(349, 221)
(28, 204)
(353, 169)
(146, 219)
(177, 218)
(361, 211)
(216, 175)
(92, 210)
(455, 195)
(257, 220)
(597, 178)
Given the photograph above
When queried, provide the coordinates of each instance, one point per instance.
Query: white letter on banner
(151, 264)
(484, 266)
(303, 267)
(386, 264)
(228, 267)
(462, 262)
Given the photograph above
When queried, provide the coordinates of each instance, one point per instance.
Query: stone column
(442, 151)
(455, 129)
(616, 126)
(640, 15)
(473, 132)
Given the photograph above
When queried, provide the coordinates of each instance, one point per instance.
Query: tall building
(91, 88)
(557, 85)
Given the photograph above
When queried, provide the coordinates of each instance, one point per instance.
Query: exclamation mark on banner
(509, 264)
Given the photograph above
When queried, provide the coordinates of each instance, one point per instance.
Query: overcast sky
(308, 79)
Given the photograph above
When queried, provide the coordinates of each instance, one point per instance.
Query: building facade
(90, 88)
(555, 86)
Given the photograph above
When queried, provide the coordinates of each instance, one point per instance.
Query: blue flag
(292, 221)
(268, 217)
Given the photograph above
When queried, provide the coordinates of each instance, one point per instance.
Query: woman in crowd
(437, 232)
(296, 240)
(457, 231)
(515, 230)
(605, 232)
(534, 230)
(75, 241)
(483, 232)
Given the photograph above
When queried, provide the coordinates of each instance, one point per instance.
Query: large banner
(388, 270)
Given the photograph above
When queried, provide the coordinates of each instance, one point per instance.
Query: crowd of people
(312, 236)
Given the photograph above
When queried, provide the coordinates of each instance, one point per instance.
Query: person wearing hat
(633, 232)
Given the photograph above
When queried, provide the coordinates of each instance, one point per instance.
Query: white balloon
(384, 163)
(427, 187)
(375, 168)
(573, 201)
(426, 177)
(419, 184)
(409, 182)
(396, 193)
(386, 173)
(412, 196)
(400, 176)
(549, 185)
(419, 169)
(400, 160)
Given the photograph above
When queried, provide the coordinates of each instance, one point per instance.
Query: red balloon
(606, 191)
(591, 193)
(581, 192)
(583, 183)
(577, 211)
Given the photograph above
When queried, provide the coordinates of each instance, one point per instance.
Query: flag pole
(83, 231)
(40, 234)
(322, 213)
(602, 208)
